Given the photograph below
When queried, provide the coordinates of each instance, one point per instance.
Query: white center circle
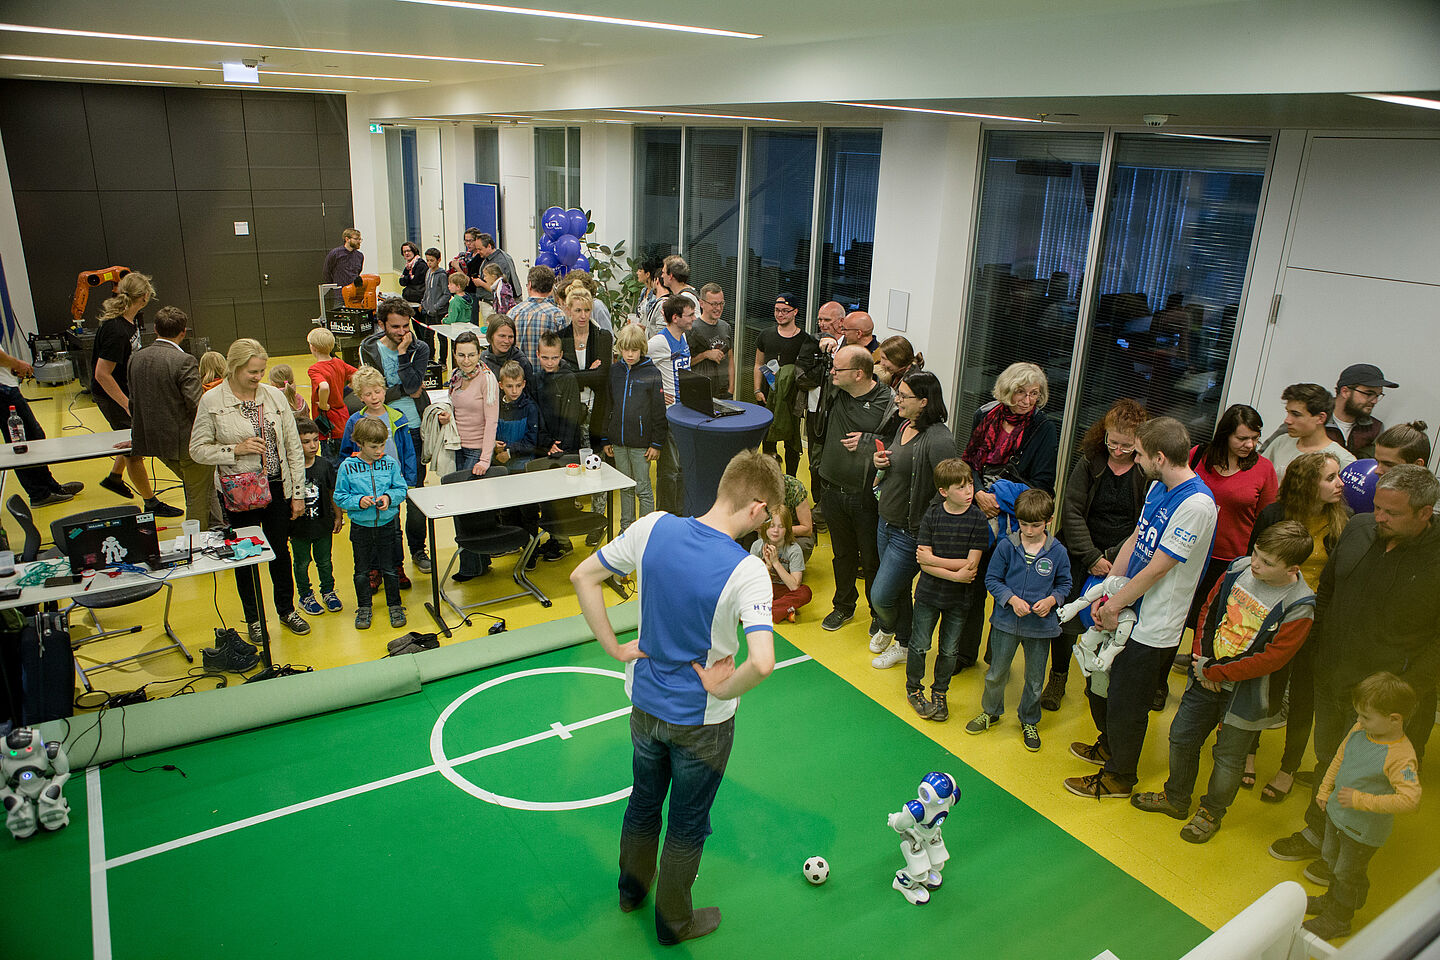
(446, 765)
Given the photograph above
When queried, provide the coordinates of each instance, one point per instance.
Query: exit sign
(376, 128)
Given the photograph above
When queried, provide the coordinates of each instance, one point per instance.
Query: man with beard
(1164, 559)
(1360, 387)
(395, 352)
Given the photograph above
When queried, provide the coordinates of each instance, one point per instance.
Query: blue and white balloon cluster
(560, 247)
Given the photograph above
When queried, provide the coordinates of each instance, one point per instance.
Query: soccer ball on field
(816, 870)
(592, 462)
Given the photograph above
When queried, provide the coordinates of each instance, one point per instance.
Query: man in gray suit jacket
(167, 392)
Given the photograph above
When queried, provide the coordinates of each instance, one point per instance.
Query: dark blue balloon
(547, 245)
(553, 222)
(1359, 479)
(576, 223)
(582, 262)
(547, 259)
(567, 249)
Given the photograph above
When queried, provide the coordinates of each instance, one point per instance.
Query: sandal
(1247, 779)
(1273, 794)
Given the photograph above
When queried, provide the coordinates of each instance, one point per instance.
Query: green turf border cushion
(173, 721)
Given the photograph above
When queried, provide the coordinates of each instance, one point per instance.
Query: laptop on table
(103, 544)
(694, 392)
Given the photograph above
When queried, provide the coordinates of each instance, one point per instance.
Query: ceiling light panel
(586, 18)
(943, 113)
(200, 42)
(705, 116)
(1400, 100)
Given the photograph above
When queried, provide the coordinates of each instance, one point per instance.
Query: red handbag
(241, 492)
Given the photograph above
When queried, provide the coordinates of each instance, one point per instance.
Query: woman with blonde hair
(247, 429)
(117, 338)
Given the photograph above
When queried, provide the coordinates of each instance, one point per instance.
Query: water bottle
(16, 426)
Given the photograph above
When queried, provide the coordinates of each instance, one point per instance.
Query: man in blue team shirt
(681, 677)
(1164, 559)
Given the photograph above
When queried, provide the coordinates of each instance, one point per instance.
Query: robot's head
(938, 787)
(21, 742)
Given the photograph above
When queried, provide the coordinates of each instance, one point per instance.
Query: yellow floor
(1210, 882)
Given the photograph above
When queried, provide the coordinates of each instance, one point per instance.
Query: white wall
(432, 230)
(517, 196)
(607, 181)
(457, 167)
(924, 209)
(12, 253)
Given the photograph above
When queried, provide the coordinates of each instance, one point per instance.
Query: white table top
(517, 489)
(452, 330)
(65, 449)
(101, 582)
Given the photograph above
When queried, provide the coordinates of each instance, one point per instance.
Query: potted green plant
(615, 273)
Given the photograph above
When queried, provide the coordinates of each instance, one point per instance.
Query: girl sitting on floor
(786, 563)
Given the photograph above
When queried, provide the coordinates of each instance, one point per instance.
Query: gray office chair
(111, 598)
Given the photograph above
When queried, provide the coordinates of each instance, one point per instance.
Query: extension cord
(128, 699)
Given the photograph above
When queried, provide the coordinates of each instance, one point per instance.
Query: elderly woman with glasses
(1011, 438)
(1103, 499)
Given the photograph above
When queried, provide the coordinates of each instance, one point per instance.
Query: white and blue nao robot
(918, 822)
(1097, 649)
(32, 782)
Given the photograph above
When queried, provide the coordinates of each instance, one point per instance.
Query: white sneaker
(879, 640)
(892, 655)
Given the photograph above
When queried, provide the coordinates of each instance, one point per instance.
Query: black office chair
(487, 534)
(20, 510)
(561, 518)
(113, 598)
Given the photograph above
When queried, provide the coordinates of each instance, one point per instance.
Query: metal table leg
(435, 574)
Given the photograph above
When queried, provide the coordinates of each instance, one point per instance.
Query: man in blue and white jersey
(696, 587)
(1164, 559)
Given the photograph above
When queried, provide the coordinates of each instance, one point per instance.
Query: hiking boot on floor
(397, 616)
(1090, 752)
(1201, 827)
(939, 710)
(228, 658)
(362, 618)
(1054, 691)
(1100, 786)
(1159, 803)
(836, 619)
(922, 706)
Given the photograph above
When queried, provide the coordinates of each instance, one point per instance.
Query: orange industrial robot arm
(88, 279)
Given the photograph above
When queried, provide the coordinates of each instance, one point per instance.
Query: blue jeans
(631, 462)
(890, 595)
(1199, 712)
(1349, 860)
(922, 627)
(1002, 653)
(688, 762)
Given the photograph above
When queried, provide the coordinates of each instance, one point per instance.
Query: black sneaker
(552, 551)
(595, 539)
(162, 509)
(1294, 847)
(362, 618)
(1031, 736)
(1327, 928)
(73, 487)
(1314, 905)
(422, 561)
(52, 498)
(1318, 873)
(117, 485)
(982, 723)
(922, 706)
(836, 619)
(295, 623)
(257, 638)
(226, 658)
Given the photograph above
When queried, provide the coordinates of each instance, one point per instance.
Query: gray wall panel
(46, 146)
(142, 232)
(224, 274)
(129, 137)
(63, 229)
(207, 138)
(280, 138)
(288, 231)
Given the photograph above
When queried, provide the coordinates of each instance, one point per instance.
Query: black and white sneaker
(836, 619)
(422, 561)
(295, 623)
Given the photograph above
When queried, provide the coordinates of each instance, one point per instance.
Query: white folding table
(514, 490)
(65, 449)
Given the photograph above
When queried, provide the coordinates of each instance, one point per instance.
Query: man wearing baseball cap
(1359, 388)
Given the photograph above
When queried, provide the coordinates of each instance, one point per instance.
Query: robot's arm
(60, 763)
(1107, 587)
(88, 279)
(907, 818)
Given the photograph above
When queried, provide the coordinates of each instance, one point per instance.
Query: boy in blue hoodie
(368, 383)
(370, 488)
(1029, 576)
(635, 428)
(518, 431)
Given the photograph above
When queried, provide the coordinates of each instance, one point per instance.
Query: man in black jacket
(856, 411)
(1376, 609)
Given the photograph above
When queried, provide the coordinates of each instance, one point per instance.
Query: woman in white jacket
(228, 433)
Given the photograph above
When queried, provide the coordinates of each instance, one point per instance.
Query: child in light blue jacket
(370, 487)
(1029, 576)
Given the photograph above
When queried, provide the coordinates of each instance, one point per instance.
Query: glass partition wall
(744, 206)
(1134, 294)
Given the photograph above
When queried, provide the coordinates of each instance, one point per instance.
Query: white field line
(304, 805)
(99, 889)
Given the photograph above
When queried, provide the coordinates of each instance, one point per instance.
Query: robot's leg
(19, 814)
(938, 855)
(1085, 650)
(54, 808)
(910, 889)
